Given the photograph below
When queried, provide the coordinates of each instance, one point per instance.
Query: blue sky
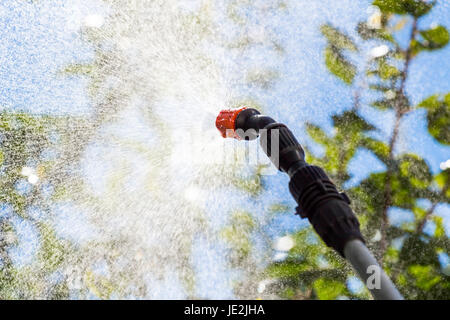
(39, 39)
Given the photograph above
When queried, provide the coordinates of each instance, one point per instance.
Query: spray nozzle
(226, 122)
(242, 123)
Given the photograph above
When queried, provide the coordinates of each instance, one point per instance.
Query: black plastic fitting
(252, 119)
(289, 153)
(326, 209)
(317, 197)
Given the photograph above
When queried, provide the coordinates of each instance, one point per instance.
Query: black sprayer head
(317, 197)
(277, 140)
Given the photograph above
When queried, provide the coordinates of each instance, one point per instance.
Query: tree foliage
(26, 174)
(408, 252)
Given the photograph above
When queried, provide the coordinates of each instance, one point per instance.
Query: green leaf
(416, 47)
(328, 289)
(237, 234)
(351, 120)
(99, 285)
(435, 38)
(373, 186)
(440, 230)
(341, 147)
(430, 103)
(387, 71)
(383, 104)
(379, 87)
(286, 269)
(252, 185)
(289, 293)
(79, 69)
(438, 117)
(442, 179)
(338, 39)
(416, 170)
(263, 78)
(425, 276)
(278, 208)
(52, 251)
(419, 213)
(317, 134)
(414, 245)
(339, 66)
(379, 148)
(367, 33)
(416, 8)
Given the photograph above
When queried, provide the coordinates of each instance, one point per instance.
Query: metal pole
(362, 260)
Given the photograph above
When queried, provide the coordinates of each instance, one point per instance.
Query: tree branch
(430, 211)
(399, 112)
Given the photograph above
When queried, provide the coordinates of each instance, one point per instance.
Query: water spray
(318, 199)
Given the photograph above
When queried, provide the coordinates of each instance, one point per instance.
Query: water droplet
(445, 165)
(280, 256)
(27, 171)
(390, 94)
(94, 21)
(193, 194)
(376, 237)
(374, 21)
(284, 243)
(262, 285)
(33, 179)
(379, 51)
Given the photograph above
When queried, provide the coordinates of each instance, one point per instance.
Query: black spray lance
(317, 197)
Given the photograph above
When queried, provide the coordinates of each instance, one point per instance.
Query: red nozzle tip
(225, 122)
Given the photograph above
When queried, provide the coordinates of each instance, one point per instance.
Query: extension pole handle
(370, 272)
